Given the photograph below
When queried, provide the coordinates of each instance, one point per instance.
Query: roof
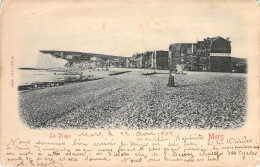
(178, 44)
(161, 51)
(215, 38)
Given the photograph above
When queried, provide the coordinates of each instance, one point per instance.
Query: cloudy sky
(123, 27)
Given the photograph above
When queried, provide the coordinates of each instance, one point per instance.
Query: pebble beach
(130, 100)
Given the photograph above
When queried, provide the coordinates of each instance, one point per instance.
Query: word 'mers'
(215, 137)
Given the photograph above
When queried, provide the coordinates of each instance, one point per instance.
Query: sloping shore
(134, 101)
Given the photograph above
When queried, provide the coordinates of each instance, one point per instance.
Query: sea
(31, 76)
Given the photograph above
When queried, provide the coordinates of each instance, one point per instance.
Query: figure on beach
(171, 77)
(179, 69)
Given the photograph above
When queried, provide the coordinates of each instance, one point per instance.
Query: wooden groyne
(42, 85)
(117, 73)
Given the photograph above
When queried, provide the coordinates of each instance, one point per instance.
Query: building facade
(149, 59)
(159, 60)
(214, 55)
(182, 53)
(138, 60)
(211, 54)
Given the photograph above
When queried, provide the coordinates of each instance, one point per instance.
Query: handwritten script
(148, 147)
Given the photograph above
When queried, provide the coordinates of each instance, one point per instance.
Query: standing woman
(171, 78)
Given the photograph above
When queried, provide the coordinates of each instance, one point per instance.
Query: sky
(123, 28)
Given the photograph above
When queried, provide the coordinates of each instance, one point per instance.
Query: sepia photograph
(129, 83)
(94, 74)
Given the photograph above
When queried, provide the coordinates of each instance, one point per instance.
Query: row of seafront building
(211, 54)
(149, 59)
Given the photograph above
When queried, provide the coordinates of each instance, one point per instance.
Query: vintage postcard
(129, 83)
